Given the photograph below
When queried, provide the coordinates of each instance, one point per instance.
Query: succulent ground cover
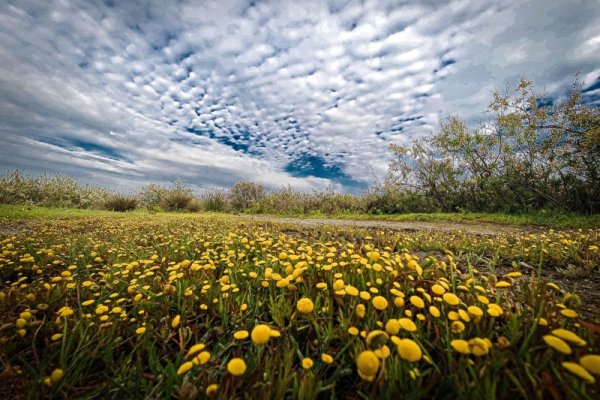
(195, 306)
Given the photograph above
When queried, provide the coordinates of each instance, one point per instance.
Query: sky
(302, 93)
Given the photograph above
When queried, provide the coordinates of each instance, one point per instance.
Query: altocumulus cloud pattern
(307, 93)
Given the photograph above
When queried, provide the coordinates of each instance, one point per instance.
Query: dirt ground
(14, 228)
(475, 228)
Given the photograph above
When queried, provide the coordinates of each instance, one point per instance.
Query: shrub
(173, 198)
(120, 203)
(215, 200)
(243, 195)
(195, 205)
(49, 191)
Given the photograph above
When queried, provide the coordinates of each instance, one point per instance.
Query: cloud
(308, 93)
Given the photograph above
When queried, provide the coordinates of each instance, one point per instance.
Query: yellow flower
(275, 333)
(211, 390)
(567, 312)
(376, 339)
(451, 299)
(438, 289)
(140, 330)
(261, 334)
(373, 256)
(305, 305)
(195, 349)
(56, 336)
(457, 327)
(201, 358)
(326, 358)
(351, 290)
(236, 366)
(367, 365)
(578, 370)
(360, 310)
(398, 301)
(379, 302)
(479, 347)
(503, 284)
(434, 311)
(241, 335)
(307, 363)
(101, 309)
(175, 322)
(392, 326)
(461, 346)
(557, 344)
(185, 367)
(569, 336)
(494, 310)
(409, 350)
(407, 324)
(282, 283)
(383, 352)
(353, 331)
(475, 311)
(56, 375)
(417, 301)
(591, 362)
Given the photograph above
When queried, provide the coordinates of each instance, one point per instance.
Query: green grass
(19, 212)
(75, 292)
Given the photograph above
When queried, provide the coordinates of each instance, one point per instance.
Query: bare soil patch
(474, 228)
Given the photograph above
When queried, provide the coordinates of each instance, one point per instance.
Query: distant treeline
(532, 154)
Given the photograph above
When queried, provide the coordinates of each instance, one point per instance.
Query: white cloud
(216, 91)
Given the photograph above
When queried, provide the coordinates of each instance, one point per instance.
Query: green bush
(215, 201)
(244, 195)
(195, 205)
(49, 191)
(173, 198)
(120, 203)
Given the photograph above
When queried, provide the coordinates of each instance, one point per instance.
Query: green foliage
(195, 205)
(288, 201)
(215, 201)
(388, 198)
(529, 157)
(50, 191)
(120, 203)
(243, 195)
(176, 197)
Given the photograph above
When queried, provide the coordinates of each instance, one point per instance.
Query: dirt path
(477, 228)
(14, 228)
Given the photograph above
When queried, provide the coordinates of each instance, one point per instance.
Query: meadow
(141, 305)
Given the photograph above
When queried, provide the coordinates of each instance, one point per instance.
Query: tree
(531, 155)
(243, 195)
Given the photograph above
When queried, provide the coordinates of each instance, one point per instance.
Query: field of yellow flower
(193, 306)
